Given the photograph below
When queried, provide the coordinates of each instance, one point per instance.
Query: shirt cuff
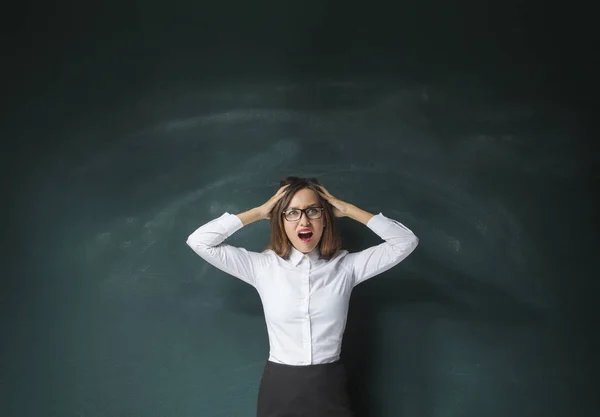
(230, 223)
(379, 224)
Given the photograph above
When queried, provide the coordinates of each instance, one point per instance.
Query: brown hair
(330, 242)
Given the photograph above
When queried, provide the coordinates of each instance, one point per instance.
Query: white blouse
(305, 299)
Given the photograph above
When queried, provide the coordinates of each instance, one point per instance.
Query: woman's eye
(312, 211)
(292, 212)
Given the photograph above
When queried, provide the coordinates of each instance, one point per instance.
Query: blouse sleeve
(399, 243)
(207, 242)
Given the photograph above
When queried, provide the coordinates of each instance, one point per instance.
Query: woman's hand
(340, 208)
(266, 208)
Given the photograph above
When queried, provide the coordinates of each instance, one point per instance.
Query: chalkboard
(121, 155)
(132, 322)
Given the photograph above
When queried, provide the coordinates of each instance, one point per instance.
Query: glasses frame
(303, 211)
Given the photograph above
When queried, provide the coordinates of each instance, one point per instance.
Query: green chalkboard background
(126, 126)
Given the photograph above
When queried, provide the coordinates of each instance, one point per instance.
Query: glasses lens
(293, 215)
(313, 213)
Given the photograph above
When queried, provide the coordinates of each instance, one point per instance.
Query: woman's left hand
(340, 208)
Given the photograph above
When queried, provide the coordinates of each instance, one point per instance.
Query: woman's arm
(250, 216)
(400, 241)
(359, 215)
(207, 242)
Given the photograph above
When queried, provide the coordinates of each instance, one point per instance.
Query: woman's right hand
(266, 208)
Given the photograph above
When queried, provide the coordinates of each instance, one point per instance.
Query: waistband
(272, 364)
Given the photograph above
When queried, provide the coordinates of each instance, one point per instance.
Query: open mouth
(305, 236)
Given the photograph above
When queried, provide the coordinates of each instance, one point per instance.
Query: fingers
(267, 207)
(324, 192)
(279, 194)
(281, 191)
(324, 189)
(325, 196)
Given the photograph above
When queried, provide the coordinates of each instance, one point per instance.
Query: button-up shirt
(305, 298)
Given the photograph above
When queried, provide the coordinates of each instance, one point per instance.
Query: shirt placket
(307, 336)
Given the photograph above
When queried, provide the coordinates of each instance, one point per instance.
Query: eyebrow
(309, 206)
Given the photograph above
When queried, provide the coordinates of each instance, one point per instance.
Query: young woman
(304, 280)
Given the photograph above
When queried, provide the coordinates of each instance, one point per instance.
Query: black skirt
(304, 391)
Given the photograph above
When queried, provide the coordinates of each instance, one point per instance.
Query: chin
(306, 248)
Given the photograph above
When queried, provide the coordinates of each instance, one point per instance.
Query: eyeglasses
(293, 215)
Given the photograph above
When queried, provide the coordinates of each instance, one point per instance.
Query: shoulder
(340, 259)
(339, 255)
(269, 257)
(258, 260)
(268, 254)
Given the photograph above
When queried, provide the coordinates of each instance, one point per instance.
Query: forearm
(250, 216)
(358, 214)
(208, 242)
(400, 242)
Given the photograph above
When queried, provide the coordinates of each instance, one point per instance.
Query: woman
(304, 280)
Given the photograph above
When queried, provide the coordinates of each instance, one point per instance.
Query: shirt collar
(296, 256)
